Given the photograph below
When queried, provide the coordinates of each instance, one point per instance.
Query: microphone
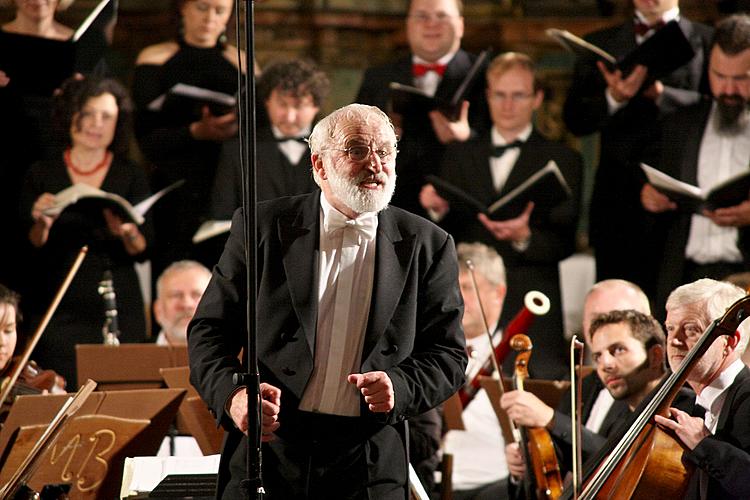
(110, 330)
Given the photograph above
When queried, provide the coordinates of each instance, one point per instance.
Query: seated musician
(604, 404)
(479, 469)
(718, 443)
(31, 379)
(178, 291)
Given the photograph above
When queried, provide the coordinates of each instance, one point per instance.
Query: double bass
(647, 462)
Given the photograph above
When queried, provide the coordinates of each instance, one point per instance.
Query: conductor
(359, 325)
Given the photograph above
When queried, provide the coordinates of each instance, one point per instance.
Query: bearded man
(704, 145)
(359, 325)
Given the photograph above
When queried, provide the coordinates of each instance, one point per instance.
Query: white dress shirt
(721, 157)
(292, 149)
(346, 274)
(501, 166)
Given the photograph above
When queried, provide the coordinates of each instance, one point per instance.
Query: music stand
(127, 366)
(193, 414)
(92, 449)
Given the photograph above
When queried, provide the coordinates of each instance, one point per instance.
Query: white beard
(358, 199)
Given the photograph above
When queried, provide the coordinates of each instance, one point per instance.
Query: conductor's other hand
(448, 131)
(377, 389)
(214, 128)
(431, 201)
(655, 202)
(270, 406)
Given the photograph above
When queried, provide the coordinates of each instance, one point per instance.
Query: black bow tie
(498, 151)
(642, 29)
(281, 140)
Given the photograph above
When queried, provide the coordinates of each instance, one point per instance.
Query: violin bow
(575, 409)
(43, 325)
(508, 426)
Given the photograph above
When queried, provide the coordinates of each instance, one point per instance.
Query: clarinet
(110, 330)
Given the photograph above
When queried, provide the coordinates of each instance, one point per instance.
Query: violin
(545, 482)
(647, 461)
(32, 379)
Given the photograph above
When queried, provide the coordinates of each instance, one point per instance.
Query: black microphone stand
(253, 484)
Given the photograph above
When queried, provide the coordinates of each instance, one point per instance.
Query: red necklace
(69, 163)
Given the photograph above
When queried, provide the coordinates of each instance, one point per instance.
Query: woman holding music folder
(180, 129)
(37, 53)
(94, 115)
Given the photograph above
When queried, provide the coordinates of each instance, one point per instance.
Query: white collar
(415, 59)
(305, 132)
(670, 15)
(711, 393)
(499, 140)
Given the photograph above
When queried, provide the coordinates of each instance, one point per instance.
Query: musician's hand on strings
(526, 409)
(514, 458)
(690, 430)
(377, 389)
(270, 407)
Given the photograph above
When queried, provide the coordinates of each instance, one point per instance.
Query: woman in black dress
(96, 114)
(183, 142)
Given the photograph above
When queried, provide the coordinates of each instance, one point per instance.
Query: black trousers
(318, 456)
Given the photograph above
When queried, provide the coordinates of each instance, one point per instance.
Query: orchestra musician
(32, 379)
(179, 288)
(602, 409)
(479, 468)
(718, 443)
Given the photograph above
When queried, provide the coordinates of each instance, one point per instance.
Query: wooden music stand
(193, 413)
(91, 451)
(127, 366)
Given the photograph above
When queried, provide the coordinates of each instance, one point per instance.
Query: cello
(539, 451)
(647, 461)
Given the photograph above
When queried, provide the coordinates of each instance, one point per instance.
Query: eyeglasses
(425, 17)
(515, 97)
(361, 153)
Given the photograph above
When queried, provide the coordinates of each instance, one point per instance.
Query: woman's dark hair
(10, 298)
(76, 91)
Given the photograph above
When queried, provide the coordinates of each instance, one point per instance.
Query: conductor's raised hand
(377, 389)
(270, 397)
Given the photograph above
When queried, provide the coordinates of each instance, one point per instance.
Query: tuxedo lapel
(299, 236)
(729, 401)
(454, 74)
(393, 260)
(529, 161)
(692, 144)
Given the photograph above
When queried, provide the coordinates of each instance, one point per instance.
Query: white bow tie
(366, 225)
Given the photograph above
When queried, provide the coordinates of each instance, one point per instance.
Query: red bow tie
(642, 29)
(422, 69)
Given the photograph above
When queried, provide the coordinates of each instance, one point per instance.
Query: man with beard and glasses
(627, 348)
(358, 325)
(717, 443)
(704, 145)
(178, 291)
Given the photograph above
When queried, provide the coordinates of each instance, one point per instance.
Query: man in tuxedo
(603, 407)
(492, 165)
(704, 145)
(292, 93)
(623, 109)
(718, 443)
(479, 469)
(436, 65)
(359, 325)
(178, 291)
